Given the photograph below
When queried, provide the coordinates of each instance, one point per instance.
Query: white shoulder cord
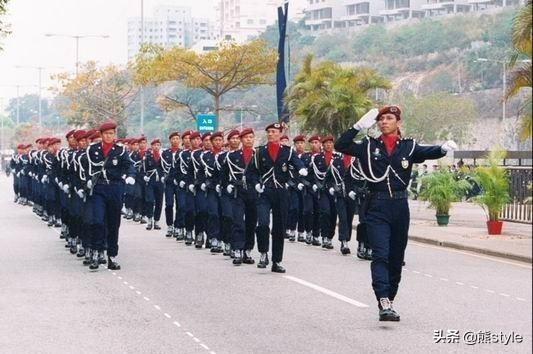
(319, 174)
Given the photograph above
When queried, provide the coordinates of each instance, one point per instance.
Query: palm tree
(329, 98)
(522, 74)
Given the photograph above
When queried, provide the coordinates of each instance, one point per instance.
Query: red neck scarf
(174, 149)
(142, 152)
(216, 151)
(329, 156)
(273, 150)
(248, 153)
(390, 142)
(347, 161)
(157, 155)
(107, 148)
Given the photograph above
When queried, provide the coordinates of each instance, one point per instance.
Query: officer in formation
(385, 163)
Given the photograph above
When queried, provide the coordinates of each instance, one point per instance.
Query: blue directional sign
(207, 123)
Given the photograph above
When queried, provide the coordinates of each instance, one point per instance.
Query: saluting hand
(449, 146)
(368, 120)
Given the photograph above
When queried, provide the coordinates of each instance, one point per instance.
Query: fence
(520, 210)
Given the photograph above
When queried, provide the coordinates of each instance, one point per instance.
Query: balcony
(318, 21)
(480, 1)
(438, 5)
(355, 17)
(392, 12)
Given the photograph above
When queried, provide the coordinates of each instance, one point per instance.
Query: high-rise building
(168, 27)
(243, 20)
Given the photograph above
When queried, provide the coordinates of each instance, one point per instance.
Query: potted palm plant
(442, 188)
(494, 182)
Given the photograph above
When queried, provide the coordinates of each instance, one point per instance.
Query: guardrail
(521, 208)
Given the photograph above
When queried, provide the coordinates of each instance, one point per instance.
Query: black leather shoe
(292, 238)
(316, 241)
(81, 253)
(263, 261)
(237, 260)
(94, 261)
(361, 251)
(156, 226)
(247, 258)
(368, 254)
(301, 237)
(386, 312)
(277, 268)
(112, 264)
(73, 248)
(329, 245)
(101, 258)
(344, 248)
(199, 241)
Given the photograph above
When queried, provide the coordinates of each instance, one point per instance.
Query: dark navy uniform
(154, 188)
(168, 157)
(387, 212)
(271, 176)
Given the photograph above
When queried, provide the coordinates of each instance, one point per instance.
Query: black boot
(112, 263)
(247, 257)
(199, 242)
(316, 241)
(329, 244)
(101, 258)
(386, 313)
(150, 224)
(88, 255)
(361, 250)
(94, 261)
(344, 248)
(277, 268)
(73, 246)
(263, 261)
(188, 238)
(156, 225)
(237, 260)
(301, 237)
(170, 231)
(368, 254)
(81, 252)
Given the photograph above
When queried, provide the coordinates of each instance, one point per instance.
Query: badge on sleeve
(115, 162)
(405, 164)
(284, 167)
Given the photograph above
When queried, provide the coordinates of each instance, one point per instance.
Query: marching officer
(171, 189)
(269, 172)
(153, 177)
(313, 228)
(143, 147)
(386, 164)
(197, 176)
(108, 164)
(295, 187)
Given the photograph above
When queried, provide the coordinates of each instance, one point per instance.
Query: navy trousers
(277, 201)
(107, 205)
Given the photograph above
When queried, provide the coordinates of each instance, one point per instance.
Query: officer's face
(175, 141)
(217, 143)
(388, 124)
(156, 147)
(248, 140)
(207, 144)
(328, 146)
(195, 143)
(134, 146)
(108, 136)
(273, 135)
(82, 144)
(285, 142)
(316, 146)
(300, 146)
(234, 142)
(186, 142)
(72, 142)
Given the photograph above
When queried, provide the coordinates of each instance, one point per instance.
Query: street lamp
(504, 79)
(77, 38)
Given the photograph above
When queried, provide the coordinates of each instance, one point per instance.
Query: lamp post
(141, 98)
(77, 37)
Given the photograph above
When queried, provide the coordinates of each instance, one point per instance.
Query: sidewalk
(467, 231)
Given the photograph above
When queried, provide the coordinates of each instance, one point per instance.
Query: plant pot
(443, 219)
(495, 227)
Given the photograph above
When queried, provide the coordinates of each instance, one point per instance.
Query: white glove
(303, 172)
(218, 188)
(203, 187)
(81, 193)
(368, 120)
(182, 184)
(176, 183)
(130, 180)
(259, 189)
(89, 184)
(332, 191)
(146, 179)
(162, 179)
(230, 188)
(352, 195)
(56, 180)
(191, 188)
(449, 146)
(44, 179)
(315, 187)
(18, 174)
(300, 186)
(65, 188)
(123, 177)
(60, 184)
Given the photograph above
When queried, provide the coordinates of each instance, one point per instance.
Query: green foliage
(438, 117)
(4, 28)
(494, 182)
(442, 189)
(329, 98)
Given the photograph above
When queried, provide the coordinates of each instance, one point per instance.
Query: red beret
(246, 132)
(327, 138)
(284, 137)
(232, 133)
(53, 141)
(110, 124)
(142, 138)
(70, 133)
(185, 133)
(194, 135)
(277, 126)
(93, 134)
(30, 145)
(392, 110)
(20, 146)
(155, 141)
(299, 138)
(314, 137)
(206, 136)
(217, 135)
(38, 141)
(173, 135)
(80, 134)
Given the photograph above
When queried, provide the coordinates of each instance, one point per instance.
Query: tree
(95, 95)
(231, 67)
(438, 117)
(329, 98)
(4, 28)
(521, 78)
(28, 108)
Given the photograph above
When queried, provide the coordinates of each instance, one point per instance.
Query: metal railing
(521, 208)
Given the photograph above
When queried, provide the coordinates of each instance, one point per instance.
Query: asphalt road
(169, 298)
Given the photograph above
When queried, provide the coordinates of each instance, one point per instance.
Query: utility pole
(142, 87)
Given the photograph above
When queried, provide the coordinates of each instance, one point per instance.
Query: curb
(459, 246)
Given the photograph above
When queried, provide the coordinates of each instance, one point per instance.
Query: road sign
(207, 123)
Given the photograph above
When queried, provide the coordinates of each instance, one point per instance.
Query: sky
(30, 20)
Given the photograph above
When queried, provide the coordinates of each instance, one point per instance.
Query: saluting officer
(269, 172)
(108, 164)
(386, 164)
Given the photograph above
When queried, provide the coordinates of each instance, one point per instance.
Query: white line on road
(138, 292)
(190, 334)
(131, 287)
(444, 279)
(459, 283)
(325, 291)
(147, 299)
(176, 324)
(204, 346)
(490, 291)
(503, 294)
(520, 299)
(114, 273)
(166, 315)
(428, 275)
(125, 283)
(196, 339)
(416, 272)
(157, 308)
(474, 287)
(120, 277)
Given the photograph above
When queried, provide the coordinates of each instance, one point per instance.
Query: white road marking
(147, 299)
(503, 294)
(494, 259)
(474, 287)
(125, 283)
(166, 315)
(416, 272)
(459, 283)
(444, 279)
(196, 339)
(120, 277)
(204, 346)
(138, 292)
(157, 308)
(131, 287)
(325, 291)
(114, 273)
(520, 299)
(490, 291)
(190, 334)
(176, 324)
(428, 275)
